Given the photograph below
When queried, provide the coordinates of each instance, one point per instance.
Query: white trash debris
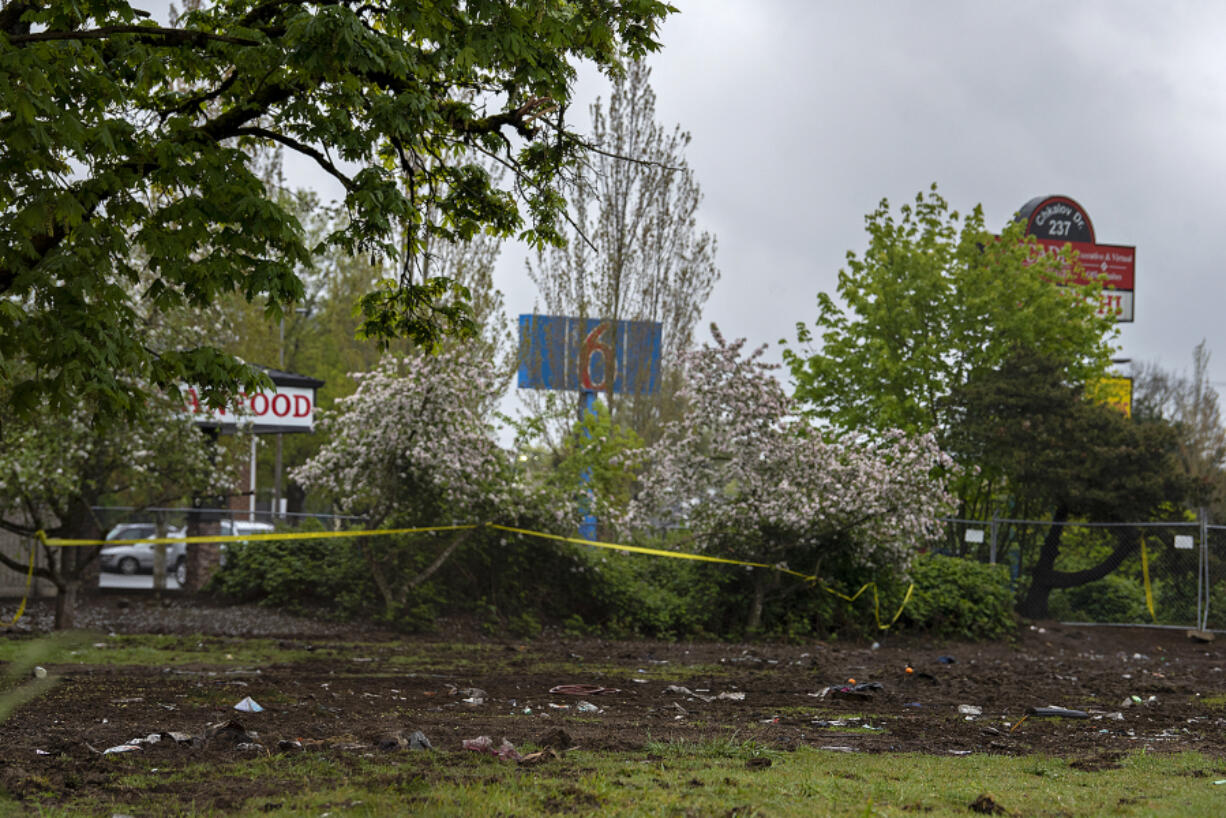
(121, 748)
(248, 705)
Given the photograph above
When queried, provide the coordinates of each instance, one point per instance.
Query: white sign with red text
(287, 408)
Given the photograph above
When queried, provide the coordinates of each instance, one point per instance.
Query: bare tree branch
(295, 145)
(172, 36)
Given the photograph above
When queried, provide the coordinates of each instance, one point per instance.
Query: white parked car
(138, 557)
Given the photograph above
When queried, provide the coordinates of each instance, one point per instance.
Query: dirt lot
(344, 703)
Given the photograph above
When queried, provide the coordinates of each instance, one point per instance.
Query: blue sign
(589, 354)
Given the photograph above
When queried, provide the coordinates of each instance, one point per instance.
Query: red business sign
(1115, 263)
(288, 409)
(1058, 222)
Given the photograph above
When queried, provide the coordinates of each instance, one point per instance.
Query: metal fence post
(992, 546)
(1202, 571)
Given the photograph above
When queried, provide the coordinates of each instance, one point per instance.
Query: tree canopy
(126, 150)
(933, 300)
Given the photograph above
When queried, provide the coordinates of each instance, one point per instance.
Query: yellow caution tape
(634, 549)
(1149, 591)
(29, 579)
(305, 535)
(681, 555)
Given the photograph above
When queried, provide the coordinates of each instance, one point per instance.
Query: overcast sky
(805, 114)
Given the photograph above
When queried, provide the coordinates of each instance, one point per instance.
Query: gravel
(131, 614)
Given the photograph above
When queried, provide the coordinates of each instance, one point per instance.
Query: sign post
(589, 355)
(288, 407)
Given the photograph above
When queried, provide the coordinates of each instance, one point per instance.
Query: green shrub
(960, 598)
(1114, 598)
(296, 575)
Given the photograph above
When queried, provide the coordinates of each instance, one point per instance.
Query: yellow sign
(1115, 391)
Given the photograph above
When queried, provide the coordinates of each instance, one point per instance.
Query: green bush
(960, 598)
(1114, 598)
(297, 575)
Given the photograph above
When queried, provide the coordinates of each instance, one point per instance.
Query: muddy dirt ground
(1156, 689)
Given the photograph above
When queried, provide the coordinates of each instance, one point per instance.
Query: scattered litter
(484, 744)
(587, 707)
(248, 746)
(121, 748)
(947, 660)
(912, 704)
(639, 681)
(128, 701)
(1137, 701)
(553, 706)
(40, 672)
(1220, 781)
(838, 749)
(583, 690)
(875, 646)
(1116, 716)
(286, 745)
(862, 690)
(732, 696)
(248, 705)
(970, 710)
(959, 752)
(399, 741)
(229, 732)
(41, 753)
(678, 690)
(152, 738)
(471, 695)
(1061, 712)
(538, 757)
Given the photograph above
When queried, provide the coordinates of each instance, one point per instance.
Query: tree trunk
(1045, 578)
(762, 582)
(66, 604)
(74, 562)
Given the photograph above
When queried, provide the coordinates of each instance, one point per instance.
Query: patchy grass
(712, 778)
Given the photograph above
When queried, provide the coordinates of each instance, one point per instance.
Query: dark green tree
(1055, 455)
(126, 151)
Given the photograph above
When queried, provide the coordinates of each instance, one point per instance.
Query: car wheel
(128, 566)
(181, 572)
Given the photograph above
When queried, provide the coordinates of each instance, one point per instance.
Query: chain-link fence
(1122, 573)
(132, 566)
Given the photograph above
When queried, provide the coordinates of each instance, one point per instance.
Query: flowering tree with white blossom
(416, 445)
(749, 479)
(53, 474)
